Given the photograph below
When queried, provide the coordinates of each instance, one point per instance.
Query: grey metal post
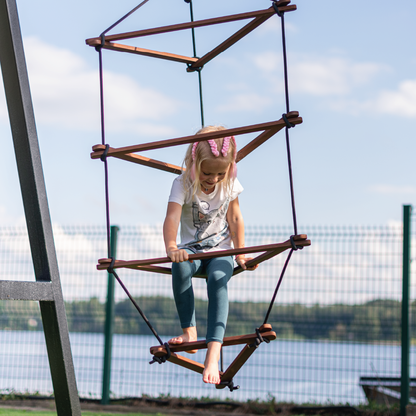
(404, 385)
(109, 322)
(47, 288)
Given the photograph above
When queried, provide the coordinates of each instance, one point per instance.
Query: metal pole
(38, 221)
(109, 322)
(404, 385)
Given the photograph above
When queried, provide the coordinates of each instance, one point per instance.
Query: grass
(18, 412)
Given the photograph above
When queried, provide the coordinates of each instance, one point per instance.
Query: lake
(298, 371)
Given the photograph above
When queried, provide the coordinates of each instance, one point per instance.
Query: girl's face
(213, 171)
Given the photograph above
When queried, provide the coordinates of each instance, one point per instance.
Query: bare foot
(189, 335)
(211, 373)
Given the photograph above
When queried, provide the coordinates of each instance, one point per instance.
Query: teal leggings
(219, 271)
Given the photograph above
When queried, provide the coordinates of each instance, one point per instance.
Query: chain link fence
(337, 315)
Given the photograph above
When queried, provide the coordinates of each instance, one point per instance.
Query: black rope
(124, 17)
(230, 385)
(163, 358)
(113, 272)
(104, 158)
(277, 287)
(201, 103)
(104, 155)
(288, 124)
(259, 339)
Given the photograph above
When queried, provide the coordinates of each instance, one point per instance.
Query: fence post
(404, 385)
(109, 323)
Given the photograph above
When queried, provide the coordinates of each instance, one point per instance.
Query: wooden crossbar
(270, 250)
(246, 340)
(128, 153)
(259, 17)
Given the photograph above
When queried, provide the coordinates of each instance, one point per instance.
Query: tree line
(377, 320)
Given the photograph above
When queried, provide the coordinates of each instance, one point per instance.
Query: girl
(204, 201)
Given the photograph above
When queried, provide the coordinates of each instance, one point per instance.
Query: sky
(352, 77)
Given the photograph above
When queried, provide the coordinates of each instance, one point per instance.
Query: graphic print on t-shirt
(211, 226)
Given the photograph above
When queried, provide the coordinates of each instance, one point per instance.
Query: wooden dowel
(182, 26)
(142, 160)
(200, 345)
(236, 131)
(301, 240)
(146, 52)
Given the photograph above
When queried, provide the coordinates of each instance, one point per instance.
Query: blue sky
(352, 77)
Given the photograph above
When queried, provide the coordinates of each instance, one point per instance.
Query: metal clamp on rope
(230, 385)
(294, 246)
(287, 122)
(103, 157)
(163, 358)
(259, 339)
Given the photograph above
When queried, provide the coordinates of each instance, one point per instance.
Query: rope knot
(287, 122)
(294, 246)
(163, 358)
(230, 385)
(259, 339)
(103, 157)
(110, 268)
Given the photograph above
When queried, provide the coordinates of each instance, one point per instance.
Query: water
(309, 371)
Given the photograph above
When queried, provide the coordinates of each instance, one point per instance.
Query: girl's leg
(184, 299)
(219, 271)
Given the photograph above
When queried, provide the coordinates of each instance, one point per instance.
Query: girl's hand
(178, 255)
(242, 260)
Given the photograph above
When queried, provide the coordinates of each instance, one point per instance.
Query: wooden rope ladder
(166, 352)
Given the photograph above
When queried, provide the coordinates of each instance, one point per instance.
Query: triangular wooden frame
(226, 376)
(193, 63)
(128, 153)
(268, 251)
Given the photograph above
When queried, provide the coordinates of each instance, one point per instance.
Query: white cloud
(320, 76)
(65, 92)
(399, 102)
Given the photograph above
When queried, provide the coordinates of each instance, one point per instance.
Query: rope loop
(258, 340)
(100, 46)
(190, 69)
(110, 268)
(230, 385)
(287, 122)
(163, 358)
(276, 9)
(103, 157)
(294, 246)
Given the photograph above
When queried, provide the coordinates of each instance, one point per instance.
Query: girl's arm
(170, 232)
(236, 224)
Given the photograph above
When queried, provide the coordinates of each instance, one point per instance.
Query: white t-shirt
(204, 224)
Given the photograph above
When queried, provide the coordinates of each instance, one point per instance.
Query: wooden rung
(282, 5)
(145, 52)
(234, 39)
(301, 240)
(266, 331)
(235, 366)
(141, 160)
(187, 363)
(236, 131)
(182, 26)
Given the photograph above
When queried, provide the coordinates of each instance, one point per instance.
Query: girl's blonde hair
(224, 149)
